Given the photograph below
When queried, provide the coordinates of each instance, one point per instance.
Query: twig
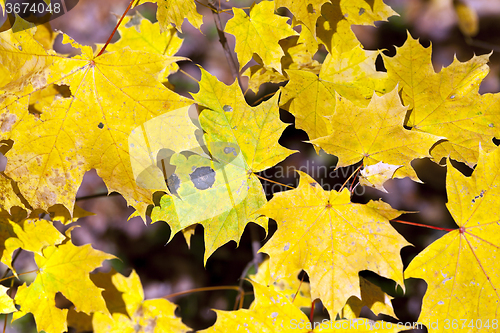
(97, 195)
(481, 44)
(233, 65)
(196, 290)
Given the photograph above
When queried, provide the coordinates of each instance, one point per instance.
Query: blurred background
(170, 268)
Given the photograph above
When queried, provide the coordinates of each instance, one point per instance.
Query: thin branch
(203, 289)
(233, 65)
(239, 298)
(97, 195)
(481, 44)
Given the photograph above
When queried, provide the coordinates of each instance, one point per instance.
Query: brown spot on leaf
(38, 81)
(46, 196)
(57, 180)
(7, 119)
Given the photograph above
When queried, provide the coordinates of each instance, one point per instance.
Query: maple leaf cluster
(110, 110)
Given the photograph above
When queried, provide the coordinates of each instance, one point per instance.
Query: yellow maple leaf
(140, 34)
(468, 20)
(297, 292)
(45, 35)
(332, 239)
(447, 103)
(259, 33)
(258, 75)
(173, 131)
(42, 98)
(115, 300)
(154, 315)
(299, 52)
(6, 232)
(304, 11)
(64, 268)
(60, 213)
(362, 12)
(23, 59)
(272, 312)
(310, 98)
(90, 129)
(460, 268)
(9, 196)
(249, 135)
(334, 30)
(175, 11)
(334, 26)
(372, 297)
(6, 303)
(361, 134)
(32, 235)
(229, 118)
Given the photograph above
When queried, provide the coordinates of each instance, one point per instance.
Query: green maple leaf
(248, 136)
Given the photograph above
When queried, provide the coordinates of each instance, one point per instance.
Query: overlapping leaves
(251, 132)
(65, 116)
(447, 103)
(332, 239)
(110, 94)
(460, 267)
(272, 312)
(361, 134)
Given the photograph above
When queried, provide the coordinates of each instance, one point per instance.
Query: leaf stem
(352, 174)
(116, 27)
(358, 170)
(188, 75)
(298, 289)
(273, 181)
(311, 315)
(423, 225)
